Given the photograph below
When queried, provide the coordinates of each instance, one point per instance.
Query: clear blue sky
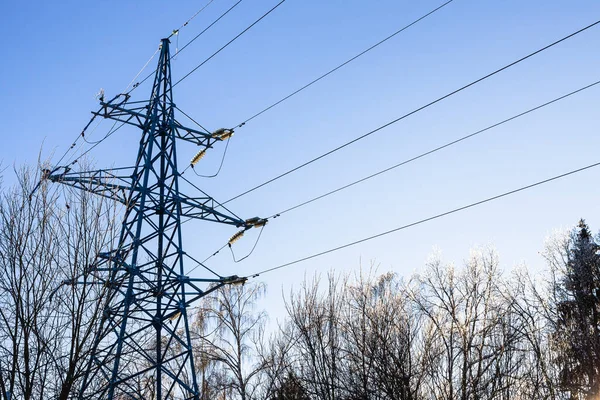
(59, 54)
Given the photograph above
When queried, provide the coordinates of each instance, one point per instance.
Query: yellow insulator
(256, 222)
(175, 316)
(239, 282)
(222, 133)
(261, 222)
(198, 157)
(226, 135)
(236, 237)
(235, 280)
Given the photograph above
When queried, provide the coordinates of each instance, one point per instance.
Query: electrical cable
(109, 134)
(192, 119)
(207, 132)
(187, 44)
(76, 139)
(82, 134)
(320, 77)
(73, 159)
(176, 31)
(343, 64)
(205, 194)
(223, 15)
(141, 70)
(228, 43)
(208, 27)
(429, 152)
(201, 264)
(220, 165)
(340, 147)
(555, 100)
(425, 220)
(251, 251)
(92, 131)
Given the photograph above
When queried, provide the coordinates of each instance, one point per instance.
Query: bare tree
(45, 326)
(466, 311)
(536, 377)
(454, 333)
(315, 324)
(463, 333)
(381, 339)
(87, 229)
(28, 254)
(230, 348)
(278, 379)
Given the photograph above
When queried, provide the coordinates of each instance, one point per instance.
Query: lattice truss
(144, 333)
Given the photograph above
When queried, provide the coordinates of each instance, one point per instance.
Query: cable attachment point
(52, 176)
(256, 222)
(222, 133)
(46, 174)
(235, 280)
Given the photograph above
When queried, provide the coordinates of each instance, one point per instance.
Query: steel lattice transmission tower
(144, 333)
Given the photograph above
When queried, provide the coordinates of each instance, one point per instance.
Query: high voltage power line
(158, 294)
(176, 31)
(368, 133)
(435, 150)
(346, 144)
(224, 46)
(137, 84)
(157, 289)
(487, 200)
(306, 86)
(82, 134)
(228, 43)
(343, 64)
(184, 77)
(412, 159)
(192, 40)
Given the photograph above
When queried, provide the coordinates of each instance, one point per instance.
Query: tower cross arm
(114, 184)
(194, 136)
(205, 208)
(136, 116)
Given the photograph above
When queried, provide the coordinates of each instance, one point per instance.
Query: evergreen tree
(577, 334)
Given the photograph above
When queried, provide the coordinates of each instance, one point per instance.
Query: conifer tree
(577, 333)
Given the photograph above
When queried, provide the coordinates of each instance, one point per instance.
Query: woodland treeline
(477, 330)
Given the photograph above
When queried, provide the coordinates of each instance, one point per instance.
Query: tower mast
(144, 333)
